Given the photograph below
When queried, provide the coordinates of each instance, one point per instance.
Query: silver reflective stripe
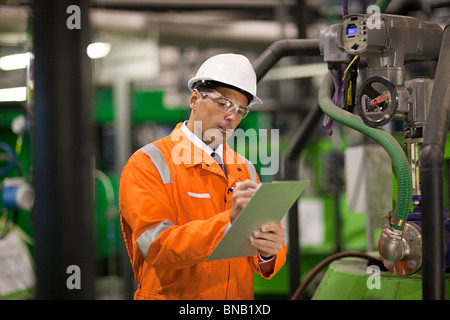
(251, 170)
(146, 239)
(199, 195)
(159, 162)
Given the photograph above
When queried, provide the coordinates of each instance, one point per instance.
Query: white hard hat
(232, 69)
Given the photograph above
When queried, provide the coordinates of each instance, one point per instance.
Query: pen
(232, 188)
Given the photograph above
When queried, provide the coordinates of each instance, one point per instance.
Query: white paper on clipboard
(269, 203)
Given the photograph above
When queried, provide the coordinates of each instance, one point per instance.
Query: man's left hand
(268, 240)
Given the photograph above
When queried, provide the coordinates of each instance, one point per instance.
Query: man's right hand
(241, 196)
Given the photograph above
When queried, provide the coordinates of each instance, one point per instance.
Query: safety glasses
(225, 104)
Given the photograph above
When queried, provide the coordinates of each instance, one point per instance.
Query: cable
(299, 292)
(349, 65)
(109, 189)
(12, 158)
(345, 8)
(110, 215)
(337, 96)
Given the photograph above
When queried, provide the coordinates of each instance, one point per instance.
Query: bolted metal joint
(401, 250)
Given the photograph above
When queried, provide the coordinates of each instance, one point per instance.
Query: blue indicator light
(351, 29)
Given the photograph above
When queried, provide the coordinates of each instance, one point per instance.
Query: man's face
(213, 122)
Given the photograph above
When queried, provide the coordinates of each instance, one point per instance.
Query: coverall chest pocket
(199, 204)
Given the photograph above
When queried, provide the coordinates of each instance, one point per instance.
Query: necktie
(219, 161)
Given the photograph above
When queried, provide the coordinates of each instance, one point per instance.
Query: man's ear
(193, 100)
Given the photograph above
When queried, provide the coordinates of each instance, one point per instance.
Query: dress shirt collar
(199, 143)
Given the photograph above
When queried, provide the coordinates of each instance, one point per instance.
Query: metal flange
(411, 247)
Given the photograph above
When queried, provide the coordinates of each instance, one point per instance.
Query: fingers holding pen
(241, 196)
(246, 185)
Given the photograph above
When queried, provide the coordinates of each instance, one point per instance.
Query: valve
(377, 101)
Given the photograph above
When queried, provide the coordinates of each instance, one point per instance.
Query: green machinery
(352, 279)
(385, 96)
(374, 47)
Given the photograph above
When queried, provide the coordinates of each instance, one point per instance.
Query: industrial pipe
(435, 133)
(284, 48)
(302, 134)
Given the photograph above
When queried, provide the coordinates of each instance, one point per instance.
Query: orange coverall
(175, 206)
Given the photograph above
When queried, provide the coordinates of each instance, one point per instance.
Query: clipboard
(269, 203)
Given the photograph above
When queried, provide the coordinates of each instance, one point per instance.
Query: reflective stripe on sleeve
(146, 239)
(158, 160)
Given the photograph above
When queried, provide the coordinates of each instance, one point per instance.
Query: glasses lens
(223, 103)
(226, 105)
(241, 111)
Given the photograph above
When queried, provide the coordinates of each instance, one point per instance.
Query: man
(180, 194)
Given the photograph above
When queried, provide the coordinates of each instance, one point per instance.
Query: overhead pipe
(268, 59)
(432, 155)
(284, 48)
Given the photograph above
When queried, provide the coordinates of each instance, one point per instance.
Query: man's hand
(241, 196)
(268, 240)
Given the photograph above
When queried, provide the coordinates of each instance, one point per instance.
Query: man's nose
(231, 115)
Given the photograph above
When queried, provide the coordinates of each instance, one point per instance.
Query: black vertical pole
(291, 172)
(431, 174)
(63, 150)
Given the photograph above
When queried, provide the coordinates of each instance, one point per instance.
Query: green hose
(392, 147)
(383, 4)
